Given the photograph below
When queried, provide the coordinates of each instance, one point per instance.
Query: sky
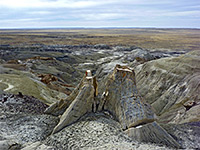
(99, 13)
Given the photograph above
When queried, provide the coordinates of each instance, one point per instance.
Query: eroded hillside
(160, 97)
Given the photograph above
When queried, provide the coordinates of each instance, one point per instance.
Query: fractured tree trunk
(79, 107)
(121, 99)
(79, 103)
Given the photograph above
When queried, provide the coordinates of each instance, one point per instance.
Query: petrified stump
(79, 102)
(121, 99)
(136, 117)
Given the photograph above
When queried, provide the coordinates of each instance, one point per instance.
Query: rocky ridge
(172, 87)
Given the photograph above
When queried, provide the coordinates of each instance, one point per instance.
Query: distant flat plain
(150, 38)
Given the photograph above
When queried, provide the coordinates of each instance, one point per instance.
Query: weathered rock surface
(47, 78)
(95, 131)
(37, 146)
(129, 56)
(152, 133)
(22, 120)
(9, 145)
(169, 84)
(186, 134)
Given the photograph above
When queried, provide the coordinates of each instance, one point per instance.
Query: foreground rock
(22, 120)
(24, 126)
(186, 134)
(96, 131)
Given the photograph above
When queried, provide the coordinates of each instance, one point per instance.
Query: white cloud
(20, 20)
(101, 16)
(50, 4)
(183, 13)
(75, 3)
(39, 12)
(97, 12)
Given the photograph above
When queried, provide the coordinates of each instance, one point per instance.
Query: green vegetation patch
(27, 86)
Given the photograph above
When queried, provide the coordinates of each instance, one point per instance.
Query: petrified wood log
(78, 103)
(121, 99)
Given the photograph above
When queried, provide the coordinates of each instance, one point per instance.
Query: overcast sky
(99, 13)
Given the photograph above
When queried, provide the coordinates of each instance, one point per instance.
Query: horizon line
(96, 27)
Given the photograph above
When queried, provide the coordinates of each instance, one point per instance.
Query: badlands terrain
(142, 91)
